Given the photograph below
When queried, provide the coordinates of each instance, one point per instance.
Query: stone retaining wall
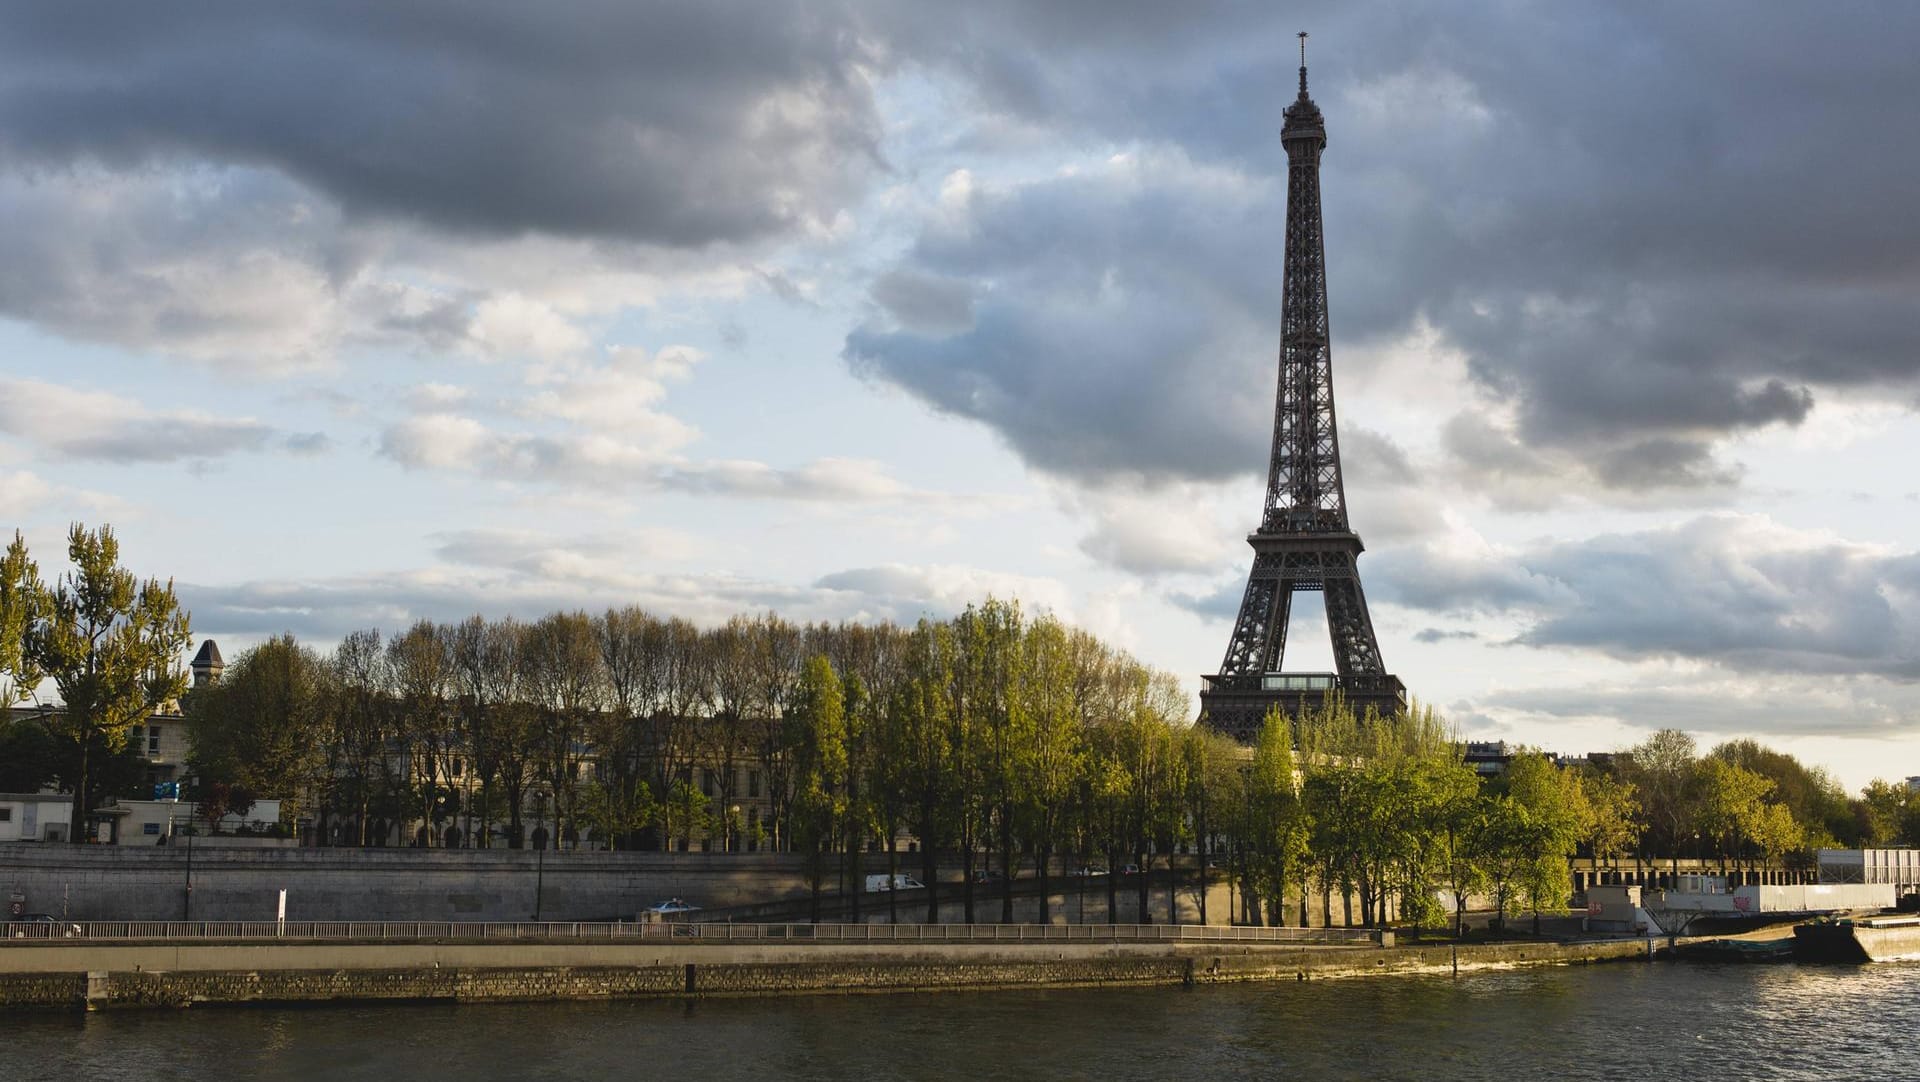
(149, 883)
(292, 973)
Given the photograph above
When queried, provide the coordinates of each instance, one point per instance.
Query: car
(672, 907)
(1131, 869)
(1088, 871)
(41, 926)
(988, 877)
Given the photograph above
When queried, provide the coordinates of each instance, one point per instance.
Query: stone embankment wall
(120, 883)
(100, 977)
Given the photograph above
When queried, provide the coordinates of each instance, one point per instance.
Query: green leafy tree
(1612, 816)
(1278, 825)
(819, 740)
(1545, 822)
(260, 727)
(1731, 799)
(30, 755)
(23, 605)
(1662, 769)
(616, 812)
(112, 646)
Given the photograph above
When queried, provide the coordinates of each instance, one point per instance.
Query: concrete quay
(78, 974)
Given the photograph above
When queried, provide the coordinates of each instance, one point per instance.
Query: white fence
(676, 931)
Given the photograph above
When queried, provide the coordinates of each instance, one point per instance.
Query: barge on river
(1859, 939)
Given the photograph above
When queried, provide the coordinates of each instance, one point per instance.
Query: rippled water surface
(1612, 1021)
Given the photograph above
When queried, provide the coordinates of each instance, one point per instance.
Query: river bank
(108, 976)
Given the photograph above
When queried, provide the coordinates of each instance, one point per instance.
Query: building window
(153, 740)
(6, 815)
(753, 783)
(459, 768)
(150, 829)
(706, 783)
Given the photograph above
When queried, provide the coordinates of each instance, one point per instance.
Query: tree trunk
(966, 878)
(79, 822)
(930, 875)
(893, 877)
(856, 882)
(1006, 864)
(1113, 886)
(1144, 915)
(1040, 868)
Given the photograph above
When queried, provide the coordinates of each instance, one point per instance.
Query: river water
(1623, 1020)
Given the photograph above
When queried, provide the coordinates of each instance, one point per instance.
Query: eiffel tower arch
(1304, 542)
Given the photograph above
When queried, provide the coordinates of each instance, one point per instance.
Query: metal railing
(667, 931)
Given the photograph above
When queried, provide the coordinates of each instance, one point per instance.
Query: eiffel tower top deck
(1303, 542)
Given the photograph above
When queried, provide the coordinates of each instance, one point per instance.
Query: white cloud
(100, 426)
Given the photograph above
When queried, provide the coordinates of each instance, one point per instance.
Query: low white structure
(1900, 867)
(35, 817)
(1709, 898)
(1616, 909)
(146, 822)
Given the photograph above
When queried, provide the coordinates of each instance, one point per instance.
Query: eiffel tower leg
(1277, 637)
(1355, 650)
(1250, 630)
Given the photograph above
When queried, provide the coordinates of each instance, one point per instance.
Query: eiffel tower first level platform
(1304, 542)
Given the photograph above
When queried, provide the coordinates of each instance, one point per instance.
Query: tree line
(1016, 746)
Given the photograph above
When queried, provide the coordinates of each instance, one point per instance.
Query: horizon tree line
(1006, 743)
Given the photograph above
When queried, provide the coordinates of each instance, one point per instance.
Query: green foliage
(1278, 825)
(1545, 819)
(112, 647)
(263, 725)
(819, 739)
(30, 756)
(614, 812)
(1662, 768)
(1611, 814)
(23, 604)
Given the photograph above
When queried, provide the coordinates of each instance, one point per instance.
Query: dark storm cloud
(1097, 338)
(1646, 228)
(677, 124)
(1737, 591)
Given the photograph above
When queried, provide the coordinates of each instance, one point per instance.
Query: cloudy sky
(364, 312)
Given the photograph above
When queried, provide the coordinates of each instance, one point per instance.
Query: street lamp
(187, 903)
(733, 828)
(539, 852)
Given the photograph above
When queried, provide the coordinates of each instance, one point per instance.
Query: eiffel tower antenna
(1304, 541)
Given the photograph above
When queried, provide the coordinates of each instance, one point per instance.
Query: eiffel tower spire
(1304, 542)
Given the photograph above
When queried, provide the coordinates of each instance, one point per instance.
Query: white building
(35, 817)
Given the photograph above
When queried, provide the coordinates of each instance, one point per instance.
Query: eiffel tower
(1304, 542)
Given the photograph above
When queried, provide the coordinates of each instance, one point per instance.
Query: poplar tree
(112, 646)
(23, 603)
(819, 740)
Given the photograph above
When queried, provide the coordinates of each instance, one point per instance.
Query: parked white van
(877, 883)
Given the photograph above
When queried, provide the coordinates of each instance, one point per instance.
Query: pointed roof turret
(209, 656)
(207, 664)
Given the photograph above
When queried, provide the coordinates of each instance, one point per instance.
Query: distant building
(1488, 757)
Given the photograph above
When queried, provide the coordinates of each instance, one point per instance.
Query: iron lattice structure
(1304, 542)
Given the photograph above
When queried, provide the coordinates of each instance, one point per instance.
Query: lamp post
(733, 829)
(539, 852)
(187, 903)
